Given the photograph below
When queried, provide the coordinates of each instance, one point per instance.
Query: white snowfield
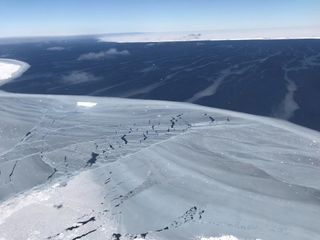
(112, 168)
(10, 69)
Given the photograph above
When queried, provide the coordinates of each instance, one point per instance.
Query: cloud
(103, 54)
(55, 48)
(77, 77)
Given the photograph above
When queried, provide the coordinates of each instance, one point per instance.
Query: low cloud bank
(103, 54)
(55, 48)
(77, 77)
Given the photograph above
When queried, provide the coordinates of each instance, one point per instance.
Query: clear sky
(71, 17)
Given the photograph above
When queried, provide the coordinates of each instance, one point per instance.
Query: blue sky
(71, 17)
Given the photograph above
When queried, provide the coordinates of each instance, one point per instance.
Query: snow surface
(135, 169)
(10, 69)
(226, 237)
(7, 70)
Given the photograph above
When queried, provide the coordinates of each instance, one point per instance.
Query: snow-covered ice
(7, 70)
(226, 237)
(86, 104)
(10, 69)
(135, 169)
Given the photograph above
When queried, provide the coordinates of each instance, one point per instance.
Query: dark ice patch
(92, 160)
(124, 139)
(116, 236)
(59, 206)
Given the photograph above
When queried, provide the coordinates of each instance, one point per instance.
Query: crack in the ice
(85, 234)
(12, 171)
(75, 226)
(52, 174)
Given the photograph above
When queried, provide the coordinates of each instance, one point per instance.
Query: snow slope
(107, 168)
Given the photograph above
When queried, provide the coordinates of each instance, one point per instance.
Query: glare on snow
(86, 104)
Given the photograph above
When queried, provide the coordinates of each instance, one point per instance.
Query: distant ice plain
(217, 35)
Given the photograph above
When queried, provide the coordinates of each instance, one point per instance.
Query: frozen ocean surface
(108, 168)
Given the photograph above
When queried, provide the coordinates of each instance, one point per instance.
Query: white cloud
(103, 54)
(77, 77)
(55, 48)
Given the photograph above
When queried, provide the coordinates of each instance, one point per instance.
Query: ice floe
(10, 69)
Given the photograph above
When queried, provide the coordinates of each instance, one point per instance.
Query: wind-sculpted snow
(50, 133)
(104, 168)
